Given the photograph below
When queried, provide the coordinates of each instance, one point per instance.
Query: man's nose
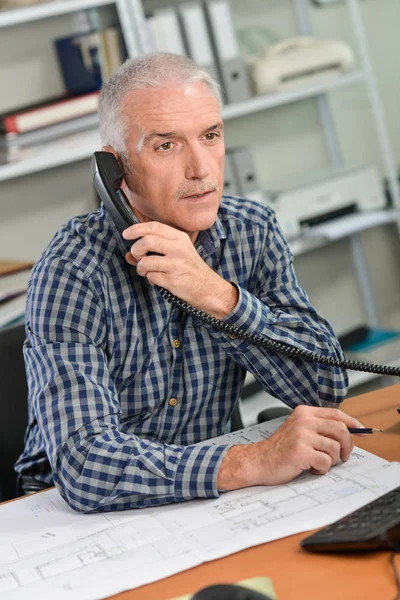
(197, 165)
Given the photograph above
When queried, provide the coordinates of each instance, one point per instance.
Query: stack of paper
(49, 552)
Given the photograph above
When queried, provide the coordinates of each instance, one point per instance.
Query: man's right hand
(311, 438)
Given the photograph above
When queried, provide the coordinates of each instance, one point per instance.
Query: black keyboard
(375, 526)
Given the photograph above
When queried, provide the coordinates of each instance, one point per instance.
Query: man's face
(176, 150)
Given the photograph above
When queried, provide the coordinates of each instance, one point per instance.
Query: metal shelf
(63, 151)
(26, 14)
(259, 103)
(340, 228)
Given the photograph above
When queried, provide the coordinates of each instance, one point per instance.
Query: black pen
(364, 430)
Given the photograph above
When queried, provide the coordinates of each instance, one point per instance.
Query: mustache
(190, 190)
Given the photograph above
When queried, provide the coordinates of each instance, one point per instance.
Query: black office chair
(13, 407)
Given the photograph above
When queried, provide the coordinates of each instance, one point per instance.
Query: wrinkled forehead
(173, 107)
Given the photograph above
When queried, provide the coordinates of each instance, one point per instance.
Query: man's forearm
(234, 472)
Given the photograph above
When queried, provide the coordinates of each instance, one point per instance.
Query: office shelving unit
(80, 146)
(62, 151)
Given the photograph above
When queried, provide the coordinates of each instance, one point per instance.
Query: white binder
(196, 35)
(232, 69)
(249, 185)
(165, 32)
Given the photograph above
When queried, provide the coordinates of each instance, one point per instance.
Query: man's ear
(110, 149)
(121, 166)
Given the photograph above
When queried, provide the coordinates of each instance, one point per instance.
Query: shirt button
(176, 344)
(232, 336)
(172, 401)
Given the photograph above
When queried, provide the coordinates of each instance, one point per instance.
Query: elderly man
(122, 385)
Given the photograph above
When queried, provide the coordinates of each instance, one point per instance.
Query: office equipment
(298, 62)
(196, 36)
(375, 526)
(13, 408)
(313, 198)
(232, 69)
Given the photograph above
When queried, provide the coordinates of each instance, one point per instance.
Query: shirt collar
(209, 240)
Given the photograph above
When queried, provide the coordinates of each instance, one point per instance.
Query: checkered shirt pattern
(123, 386)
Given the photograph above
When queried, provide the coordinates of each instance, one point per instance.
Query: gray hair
(147, 71)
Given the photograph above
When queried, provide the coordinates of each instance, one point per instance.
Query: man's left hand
(178, 267)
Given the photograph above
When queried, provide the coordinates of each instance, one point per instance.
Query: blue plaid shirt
(122, 385)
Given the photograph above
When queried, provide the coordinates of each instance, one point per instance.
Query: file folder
(196, 36)
(232, 69)
(249, 185)
(231, 183)
(165, 32)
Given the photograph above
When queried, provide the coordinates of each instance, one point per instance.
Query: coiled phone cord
(279, 347)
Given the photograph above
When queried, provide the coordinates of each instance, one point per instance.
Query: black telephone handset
(107, 178)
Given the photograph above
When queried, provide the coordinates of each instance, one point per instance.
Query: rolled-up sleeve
(279, 309)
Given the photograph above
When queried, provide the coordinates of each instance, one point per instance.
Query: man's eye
(165, 146)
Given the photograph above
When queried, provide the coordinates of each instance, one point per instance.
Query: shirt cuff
(250, 313)
(197, 471)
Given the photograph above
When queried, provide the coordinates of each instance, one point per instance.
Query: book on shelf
(12, 143)
(14, 283)
(8, 267)
(12, 311)
(48, 112)
(87, 59)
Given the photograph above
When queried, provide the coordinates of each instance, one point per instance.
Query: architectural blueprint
(49, 552)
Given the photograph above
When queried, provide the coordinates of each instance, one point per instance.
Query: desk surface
(296, 574)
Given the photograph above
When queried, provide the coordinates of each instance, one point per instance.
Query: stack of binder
(240, 177)
(233, 74)
(163, 31)
(205, 32)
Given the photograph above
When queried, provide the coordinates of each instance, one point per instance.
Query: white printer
(331, 193)
(300, 62)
